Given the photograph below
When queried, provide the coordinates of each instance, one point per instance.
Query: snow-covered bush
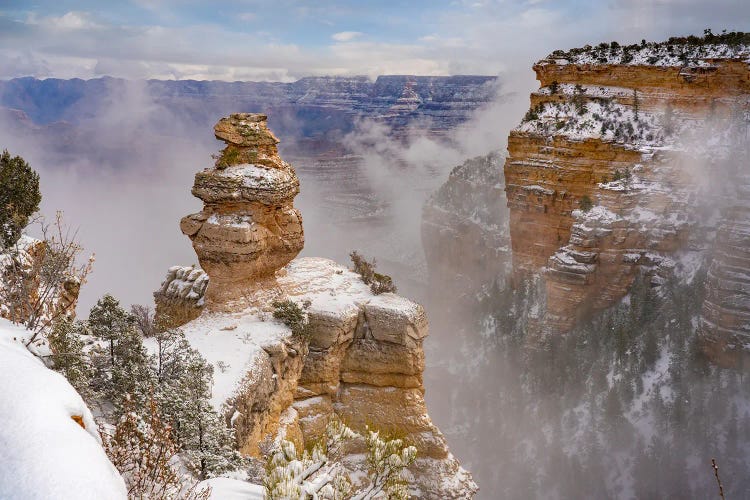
(319, 473)
(292, 316)
(143, 451)
(587, 115)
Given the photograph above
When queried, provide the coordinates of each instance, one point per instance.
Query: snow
(44, 452)
(224, 488)
(233, 344)
(652, 54)
(257, 176)
(231, 220)
(598, 214)
(601, 119)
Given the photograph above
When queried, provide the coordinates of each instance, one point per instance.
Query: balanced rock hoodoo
(248, 228)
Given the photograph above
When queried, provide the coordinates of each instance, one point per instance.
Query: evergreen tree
(185, 399)
(123, 370)
(108, 321)
(68, 357)
(19, 197)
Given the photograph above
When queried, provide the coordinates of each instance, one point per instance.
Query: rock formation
(465, 230)
(725, 319)
(361, 358)
(248, 228)
(601, 175)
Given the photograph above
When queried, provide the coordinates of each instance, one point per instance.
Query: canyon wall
(465, 230)
(605, 176)
(360, 358)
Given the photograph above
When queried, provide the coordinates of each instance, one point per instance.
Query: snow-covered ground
(224, 488)
(652, 54)
(49, 443)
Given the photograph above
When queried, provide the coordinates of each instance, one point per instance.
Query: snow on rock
(49, 444)
(234, 344)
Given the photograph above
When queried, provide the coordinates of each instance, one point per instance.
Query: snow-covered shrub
(39, 280)
(143, 451)
(292, 315)
(588, 115)
(319, 473)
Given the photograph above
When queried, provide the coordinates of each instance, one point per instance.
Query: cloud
(346, 36)
(469, 37)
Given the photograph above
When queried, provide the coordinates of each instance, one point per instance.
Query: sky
(283, 40)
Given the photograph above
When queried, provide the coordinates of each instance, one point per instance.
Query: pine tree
(19, 197)
(108, 321)
(185, 398)
(68, 357)
(123, 371)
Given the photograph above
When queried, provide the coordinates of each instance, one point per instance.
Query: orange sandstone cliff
(605, 174)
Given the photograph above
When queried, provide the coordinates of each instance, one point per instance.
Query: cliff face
(465, 229)
(725, 319)
(362, 358)
(602, 176)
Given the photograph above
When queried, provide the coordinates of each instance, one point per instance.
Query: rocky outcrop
(601, 176)
(181, 296)
(465, 230)
(248, 228)
(361, 357)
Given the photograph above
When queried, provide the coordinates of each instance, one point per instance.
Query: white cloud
(485, 37)
(346, 36)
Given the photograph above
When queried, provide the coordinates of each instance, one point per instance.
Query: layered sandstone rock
(363, 362)
(362, 357)
(725, 318)
(465, 230)
(181, 296)
(601, 174)
(248, 228)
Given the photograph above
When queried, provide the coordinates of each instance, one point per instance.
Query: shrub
(228, 157)
(379, 283)
(586, 204)
(292, 316)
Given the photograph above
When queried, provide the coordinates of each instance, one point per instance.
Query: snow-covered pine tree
(123, 369)
(198, 429)
(67, 356)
